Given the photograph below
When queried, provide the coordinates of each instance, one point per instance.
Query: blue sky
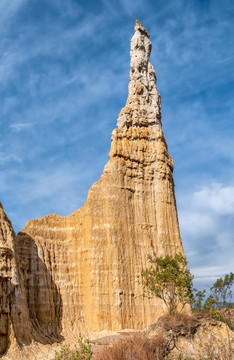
(64, 73)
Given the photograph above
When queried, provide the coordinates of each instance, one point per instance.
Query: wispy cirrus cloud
(8, 10)
(64, 74)
(6, 158)
(20, 126)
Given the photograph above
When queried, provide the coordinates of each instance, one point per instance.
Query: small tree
(198, 298)
(169, 279)
(221, 290)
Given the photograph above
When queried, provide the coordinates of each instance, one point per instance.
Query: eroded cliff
(83, 272)
(15, 324)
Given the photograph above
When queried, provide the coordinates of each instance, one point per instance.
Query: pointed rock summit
(143, 106)
(82, 272)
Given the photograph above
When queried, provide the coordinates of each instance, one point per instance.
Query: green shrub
(81, 352)
(169, 279)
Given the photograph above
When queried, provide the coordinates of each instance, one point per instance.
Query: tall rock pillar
(84, 270)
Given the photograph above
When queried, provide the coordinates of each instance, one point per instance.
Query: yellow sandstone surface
(89, 264)
(15, 324)
(83, 272)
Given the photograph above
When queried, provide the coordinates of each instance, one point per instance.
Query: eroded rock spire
(143, 107)
(82, 272)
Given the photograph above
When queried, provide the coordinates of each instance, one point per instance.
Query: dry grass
(180, 323)
(139, 347)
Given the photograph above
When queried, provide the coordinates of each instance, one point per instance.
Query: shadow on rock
(37, 299)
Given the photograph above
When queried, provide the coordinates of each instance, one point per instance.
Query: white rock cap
(143, 107)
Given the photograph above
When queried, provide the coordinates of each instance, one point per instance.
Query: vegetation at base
(217, 302)
(142, 347)
(169, 279)
(139, 347)
(81, 352)
(220, 294)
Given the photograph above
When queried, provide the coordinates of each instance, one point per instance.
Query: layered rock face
(83, 272)
(6, 275)
(15, 323)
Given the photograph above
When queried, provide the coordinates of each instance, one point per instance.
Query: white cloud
(58, 70)
(18, 127)
(208, 271)
(6, 158)
(206, 222)
(9, 60)
(217, 198)
(200, 223)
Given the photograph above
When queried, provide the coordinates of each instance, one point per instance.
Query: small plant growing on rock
(64, 352)
(169, 279)
(81, 352)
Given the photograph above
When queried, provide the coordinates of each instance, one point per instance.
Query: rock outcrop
(194, 337)
(6, 278)
(15, 324)
(83, 272)
(85, 269)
